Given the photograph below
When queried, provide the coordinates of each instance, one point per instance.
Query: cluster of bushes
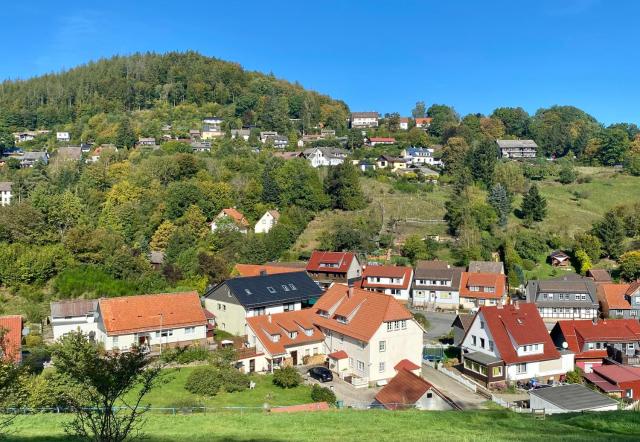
(186, 355)
(210, 380)
(287, 377)
(322, 394)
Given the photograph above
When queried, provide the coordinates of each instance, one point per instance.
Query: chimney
(350, 289)
(263, 272)
(269, 318)
(516, 305)
(499, 306)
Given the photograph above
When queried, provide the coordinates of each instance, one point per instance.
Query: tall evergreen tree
(343, 186)
(534, 205)
(125, 137)
(483, 162)
(610, 230)
(500, 200)
(270, 189)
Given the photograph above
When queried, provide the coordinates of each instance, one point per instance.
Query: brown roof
(236, 216)
(386, 272)
(12, 326)
(367, 311)
(494, 280)
(337, 355)
(465, 320)
(405, 389)
(256, 269)
(73, 307)
(129, 314)
(5, 186)
(599, 275)
(406, 364)
(323, 261)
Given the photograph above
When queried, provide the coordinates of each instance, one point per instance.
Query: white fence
(465, 382)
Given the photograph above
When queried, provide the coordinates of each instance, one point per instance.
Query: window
(189, 330)
(629, 393)
(224, 307)
(490, 345)
(219, 306)
(285, 288)
(164, 333)
(248, 292)
(308, 331)
(481, 342)
(307, 352)
(325, 314)
(351, 362)
(482, 324)
(496, 371)
(292, 287)
(315, 351)
(271, 289)
(260, 311)
(521, 368)
(382, 345)
(360, 365)
(429, 395)
(473, 340)
(389, 326)
(289, 307)
(381, 367)
(114, 341)
(341, 319)
(293, 334)
(275, 338)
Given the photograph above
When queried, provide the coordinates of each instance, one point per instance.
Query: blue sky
(376, 55)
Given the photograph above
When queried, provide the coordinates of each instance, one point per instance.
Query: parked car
(321, 373)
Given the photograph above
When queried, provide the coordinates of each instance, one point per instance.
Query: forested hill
(125, 84)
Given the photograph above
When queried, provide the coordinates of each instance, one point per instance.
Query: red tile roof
(319, 260)
(130, 314)
(367, 311)
(316, 406)
(406, 364)
(386, 271)
(405, 389)
(337, 355)
(618, 373)
(382, 140)
(423, 120)
(612, 295)
(12, 345)
(256, 270)
(236, 216)
(281, 324)
(577, 332)
(523, 324)
(495, 280)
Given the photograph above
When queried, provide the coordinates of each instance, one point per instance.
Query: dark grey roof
(258, 291)
(73, 307)
(517, 143)
(486, 267)
(465, 319)
(573, 397)
(482, 358)
(452, 274)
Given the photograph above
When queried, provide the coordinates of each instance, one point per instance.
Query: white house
(408, 390)
(404, 123)
(5, 193)
(211, 128)
(74, 315)
(420, 156)
(325, 156)
(170, 319)
(510, 343)
(63, 136)
(267, 221)
(436, 284)
(390, 280)
(364, 119)
(367, 336)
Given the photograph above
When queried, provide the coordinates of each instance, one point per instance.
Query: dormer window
(247, 291)
(285, 288)
(341, 319)
(308, 331)
(293, 334)
(292, 287)
(271, 289)
(275, 338)
(323, 313)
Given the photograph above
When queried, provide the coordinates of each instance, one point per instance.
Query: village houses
(387, 279)
(567, 297)
(5, 193)
(437, 284)
(230, 218)
(361, 120)
(267, 221)
(328, 267)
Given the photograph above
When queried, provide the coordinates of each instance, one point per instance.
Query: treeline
(77, 229)
(178, 87)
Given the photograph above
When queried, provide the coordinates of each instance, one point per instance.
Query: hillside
(352, 425)
(196, 84)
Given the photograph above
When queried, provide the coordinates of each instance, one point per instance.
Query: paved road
(351, 396)
(440, 324)
(463, 397)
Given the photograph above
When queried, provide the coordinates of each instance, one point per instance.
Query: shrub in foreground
(286, 377)
(322, 394)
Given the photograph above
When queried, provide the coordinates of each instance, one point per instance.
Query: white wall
(124, 342)
(229, 317)
(400, 344)
(5, 198)
(265, 224)
(62, 326)
(480, 333)
(433, 403)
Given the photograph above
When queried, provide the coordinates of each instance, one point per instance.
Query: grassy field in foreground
(348, 425)
(173, 394)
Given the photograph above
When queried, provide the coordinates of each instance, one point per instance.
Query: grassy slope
(362, 426)
(173, 394)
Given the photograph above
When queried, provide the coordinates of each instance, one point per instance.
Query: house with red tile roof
(592, 341)
(478, 289)
(390, 280)
(423, 122)
(329, 267)
(230, 217)
(619, 300)
(11, 338)
(365, 335)
(409, 391)
(618, 380)
(168, 319)
(404, 123)
(374, 141)
(511, 343)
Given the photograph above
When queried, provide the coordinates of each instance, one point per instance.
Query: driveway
(351, 396)
(439, 324)
(463, 397)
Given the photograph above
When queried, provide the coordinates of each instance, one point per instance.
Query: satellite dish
(565, 345)
(26, 331)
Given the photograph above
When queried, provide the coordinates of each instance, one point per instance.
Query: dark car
(322, 374)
